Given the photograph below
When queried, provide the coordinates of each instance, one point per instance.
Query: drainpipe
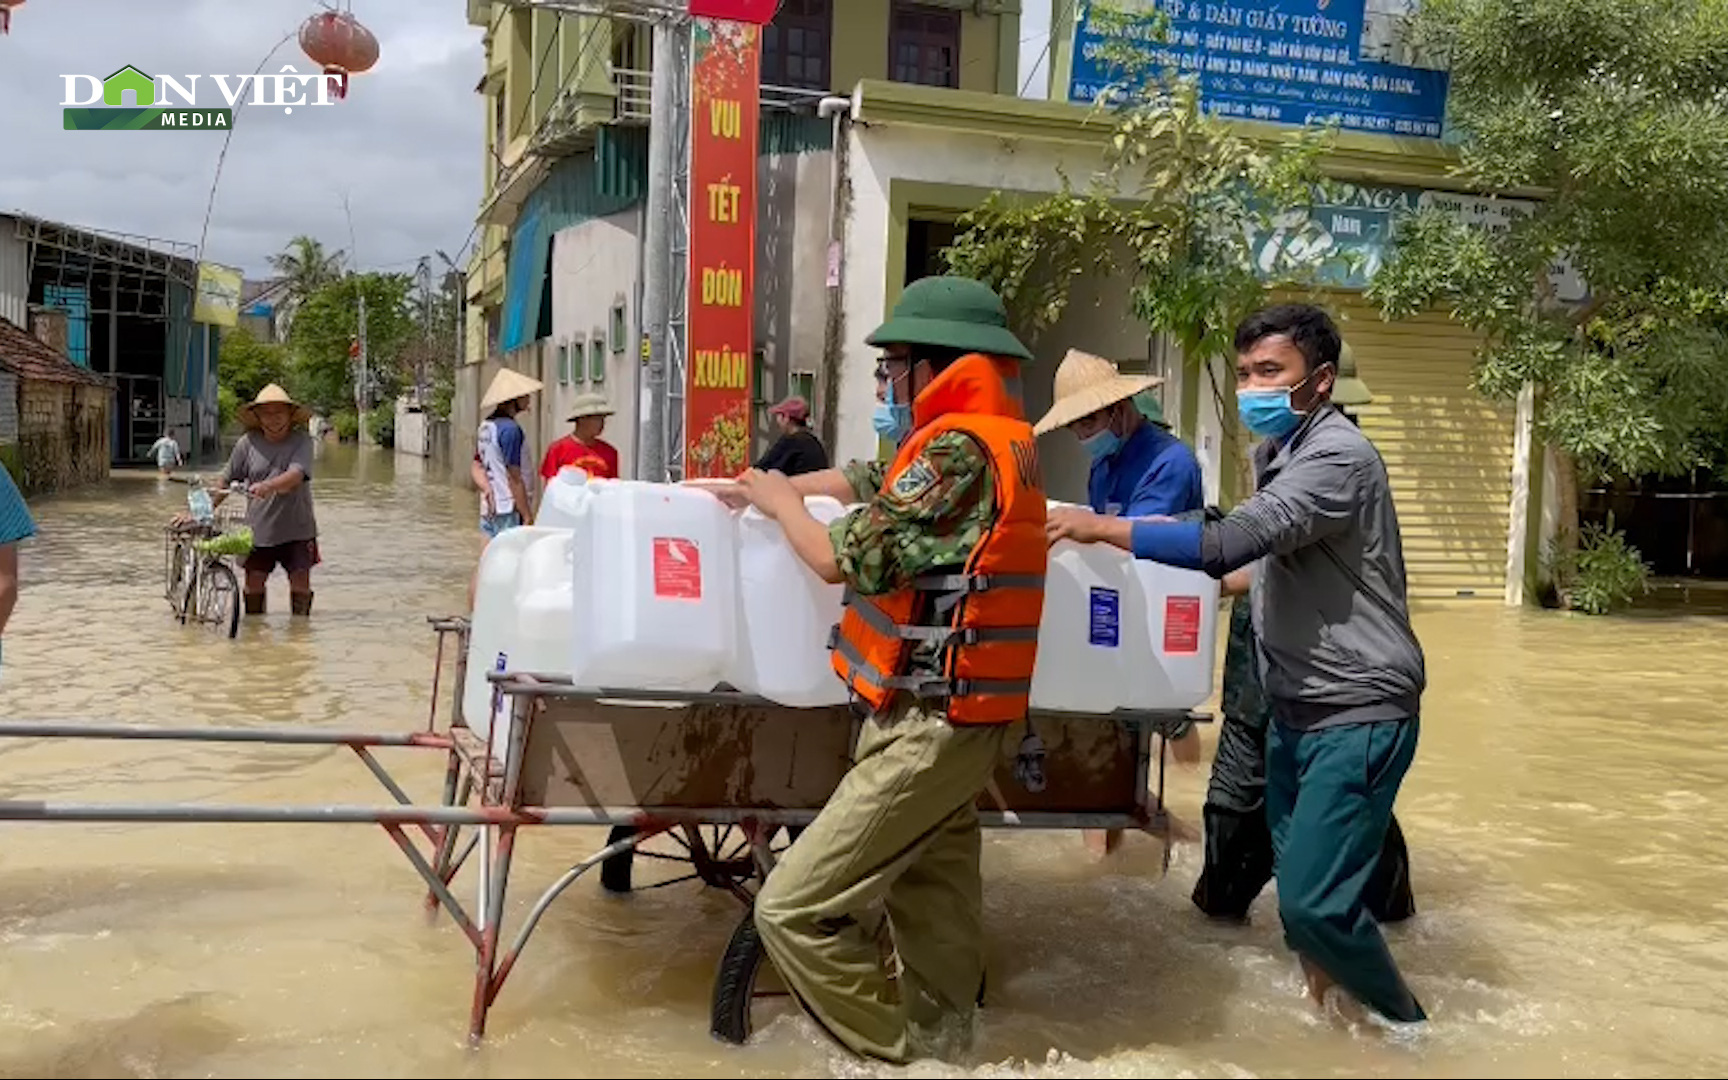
(834, 323)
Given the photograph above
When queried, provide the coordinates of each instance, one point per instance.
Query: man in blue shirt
(1139, 469)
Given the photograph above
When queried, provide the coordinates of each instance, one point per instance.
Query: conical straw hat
(507, 385)
(1087, 383)
(272, 395)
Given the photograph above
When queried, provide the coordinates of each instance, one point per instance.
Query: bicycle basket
(231, 514)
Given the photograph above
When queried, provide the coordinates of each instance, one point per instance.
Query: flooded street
(1570, 858)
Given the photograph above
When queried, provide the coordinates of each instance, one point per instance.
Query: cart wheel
(617, 874)
(746, 977)
(220, 604)
(735, 991)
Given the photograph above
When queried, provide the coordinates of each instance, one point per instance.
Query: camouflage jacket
(931, 518)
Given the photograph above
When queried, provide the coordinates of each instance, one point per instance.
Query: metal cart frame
(654, 763)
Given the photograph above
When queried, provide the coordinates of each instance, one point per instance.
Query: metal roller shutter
(1448, 450)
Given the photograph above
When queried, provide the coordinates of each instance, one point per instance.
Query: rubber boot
(254, 603)
(301, 603)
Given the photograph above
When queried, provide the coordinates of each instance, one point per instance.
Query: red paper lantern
(336, 40)
(6, 7)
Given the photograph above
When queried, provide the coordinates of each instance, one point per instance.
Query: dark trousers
(1239, 838)
(1329, 795)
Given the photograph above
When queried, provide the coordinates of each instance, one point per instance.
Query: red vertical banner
(725, 100)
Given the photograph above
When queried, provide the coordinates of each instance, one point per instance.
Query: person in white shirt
(166, 451)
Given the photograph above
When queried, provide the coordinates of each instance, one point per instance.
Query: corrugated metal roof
(24, 356)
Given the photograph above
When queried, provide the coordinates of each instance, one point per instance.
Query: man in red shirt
(584, 449)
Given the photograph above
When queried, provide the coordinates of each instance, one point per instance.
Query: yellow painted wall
(860, 46)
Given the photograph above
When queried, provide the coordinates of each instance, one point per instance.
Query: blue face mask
(1267, 413)
(1102, 444)
(892, 422)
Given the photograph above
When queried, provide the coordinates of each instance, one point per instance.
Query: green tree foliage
(327, 323)
(307, 266)
(1173, 206)
(247, 365)
(1613, 112)
(1171, 209)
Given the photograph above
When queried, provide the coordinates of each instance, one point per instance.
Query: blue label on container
(1106, 618)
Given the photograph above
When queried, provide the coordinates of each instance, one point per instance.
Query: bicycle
(202, 585)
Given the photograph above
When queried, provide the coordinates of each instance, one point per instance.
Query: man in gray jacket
(1338, 659)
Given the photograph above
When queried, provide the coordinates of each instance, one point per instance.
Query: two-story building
(853, 207)
(554, 283)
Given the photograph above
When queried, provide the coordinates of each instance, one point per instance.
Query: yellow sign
(218, 300)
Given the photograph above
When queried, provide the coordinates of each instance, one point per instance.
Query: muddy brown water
(1571, 858)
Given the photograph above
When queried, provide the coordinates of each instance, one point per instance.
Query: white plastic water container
(1123, 633)
(654, 573)
(492, 632)
(545, 601)
(566, 499)
(1086, 650)
(1174, 628)
(786, 614)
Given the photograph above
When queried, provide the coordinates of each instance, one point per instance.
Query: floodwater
(1571, 859)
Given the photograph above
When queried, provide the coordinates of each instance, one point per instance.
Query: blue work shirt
(1153, 473)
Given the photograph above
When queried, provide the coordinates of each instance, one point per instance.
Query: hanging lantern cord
(227, 138)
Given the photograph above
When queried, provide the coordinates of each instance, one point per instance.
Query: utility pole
(423, 276)
(360, 379)
(667, 128)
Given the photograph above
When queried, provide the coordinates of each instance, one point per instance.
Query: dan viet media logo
(131, 100)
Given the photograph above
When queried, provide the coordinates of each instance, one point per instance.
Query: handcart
(725, 777)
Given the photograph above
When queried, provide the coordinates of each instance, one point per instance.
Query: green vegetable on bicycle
(237, 543)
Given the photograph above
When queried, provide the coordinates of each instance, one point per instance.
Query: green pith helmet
(1348, 389)
(951, 313)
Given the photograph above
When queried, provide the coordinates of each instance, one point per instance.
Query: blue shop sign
(1276, 61)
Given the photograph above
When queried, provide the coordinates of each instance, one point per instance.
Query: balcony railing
(569, 125)
(635, 95)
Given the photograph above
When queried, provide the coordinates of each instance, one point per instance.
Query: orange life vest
(985, 614)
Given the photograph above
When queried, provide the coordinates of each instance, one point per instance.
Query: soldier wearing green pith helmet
(959, 511)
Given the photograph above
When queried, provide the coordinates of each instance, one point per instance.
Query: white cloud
(404, 145)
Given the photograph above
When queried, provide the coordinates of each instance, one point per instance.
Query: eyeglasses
(882, 372)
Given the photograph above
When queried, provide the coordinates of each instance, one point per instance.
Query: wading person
(583, 448)
(797, 451)
(274, 460)
(1339, 662)
(1138, 470)
(499, 450)
(16, 526)
(500, 447)
(939, 672)
(166, 451)
(1238, 847)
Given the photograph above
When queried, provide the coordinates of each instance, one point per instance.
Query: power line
(1049, 40)
(222, 157)
(583, 51)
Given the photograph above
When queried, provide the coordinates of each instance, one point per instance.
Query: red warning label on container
(677, 569)
(1182, 626)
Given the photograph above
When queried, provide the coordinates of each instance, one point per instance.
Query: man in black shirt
(798, 450)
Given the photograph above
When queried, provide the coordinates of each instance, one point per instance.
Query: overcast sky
(405, 146)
